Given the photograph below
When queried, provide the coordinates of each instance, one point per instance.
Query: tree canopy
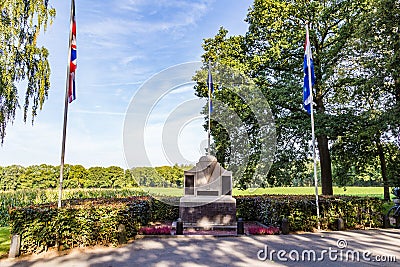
(76, 176)
(21, 59)
(354, 46)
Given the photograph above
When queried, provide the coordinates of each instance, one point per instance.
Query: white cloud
(130, 59)
(121, 44)
(185, 13)
(106, 27)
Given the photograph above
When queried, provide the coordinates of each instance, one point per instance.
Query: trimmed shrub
(161, 211)
(27, 197)
(85, 222)
(157, 230)
(96, 221)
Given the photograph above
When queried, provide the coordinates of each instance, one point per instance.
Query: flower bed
(157, 230)
(261, 230)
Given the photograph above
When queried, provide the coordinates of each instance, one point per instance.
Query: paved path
(374, 248)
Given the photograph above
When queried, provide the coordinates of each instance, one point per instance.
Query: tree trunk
(324, 154)
(325, 162)
(386, 194)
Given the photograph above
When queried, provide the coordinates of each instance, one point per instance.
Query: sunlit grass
(4, 240)
(350, 191)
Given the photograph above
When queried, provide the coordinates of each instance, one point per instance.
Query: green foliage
(76, 176)
(241, 123)
(96, 221)
(4, 240)
(21, 58)
(161, 211)
(85, 222)
(355, 48)
(10, 177)
(146, 176)
(22, 198)
(164, 176)
(357, 212)
(171, 175)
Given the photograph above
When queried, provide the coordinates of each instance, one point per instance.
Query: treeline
(76, 176)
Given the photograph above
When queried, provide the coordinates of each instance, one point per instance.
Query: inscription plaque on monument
(208, 194)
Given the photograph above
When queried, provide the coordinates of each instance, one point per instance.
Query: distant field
(353, 191)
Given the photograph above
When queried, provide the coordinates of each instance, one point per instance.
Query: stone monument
(207, 199)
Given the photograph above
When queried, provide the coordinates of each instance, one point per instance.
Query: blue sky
(121, 44)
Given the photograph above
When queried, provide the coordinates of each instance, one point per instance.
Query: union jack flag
(72, 60)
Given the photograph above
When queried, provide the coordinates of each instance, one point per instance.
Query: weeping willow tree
(21, 59)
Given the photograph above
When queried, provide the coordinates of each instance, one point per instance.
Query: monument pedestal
(208, 211)
(208, 197)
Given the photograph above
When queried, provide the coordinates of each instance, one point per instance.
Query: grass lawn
(354, 191)
(4, 240)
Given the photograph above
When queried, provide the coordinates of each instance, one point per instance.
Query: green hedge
(27, 197)
(85, 222)
(161, 211)
(96, 221)
(301, 211)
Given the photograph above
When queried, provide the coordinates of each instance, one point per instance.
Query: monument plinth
(208, 197)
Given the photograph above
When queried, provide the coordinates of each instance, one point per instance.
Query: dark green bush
(85, 222)
(27, 197)
(301, 211)
(162, 211)
(96, 221)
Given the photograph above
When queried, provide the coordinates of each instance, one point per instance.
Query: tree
(97, 178)
(115, 176)
(147, 176)
(75, 176)
(275, 42)
(381, 38)
(130, 180)
(21, 58)
(272, 52)
(11, 178)
(39, 176)
(241, 123)
(373, 81)
(171, 176)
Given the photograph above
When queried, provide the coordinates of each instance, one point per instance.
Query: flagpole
(209, 108)
(312, 122)
(65, 113)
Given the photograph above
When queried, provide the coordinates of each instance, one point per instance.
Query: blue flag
(307, 97)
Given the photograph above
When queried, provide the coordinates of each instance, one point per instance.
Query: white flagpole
(308, 52)
(209, 108)
(65, 112)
